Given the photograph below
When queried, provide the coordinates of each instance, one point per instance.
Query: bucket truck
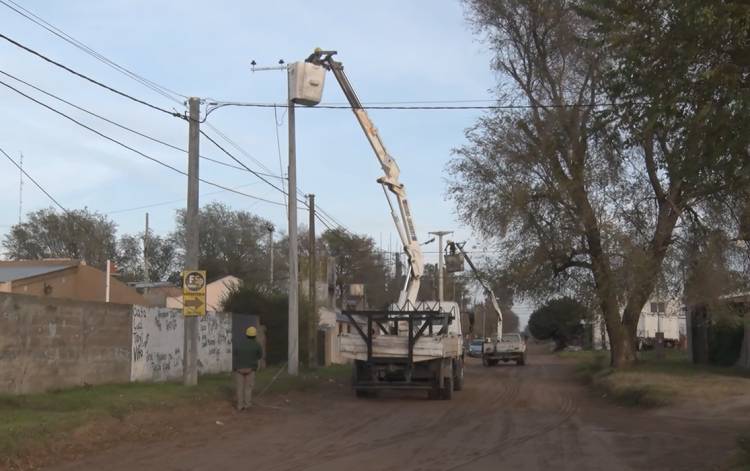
(503, 346)
(412, 344)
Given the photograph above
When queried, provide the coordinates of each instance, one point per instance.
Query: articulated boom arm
(390, 180)
(488, 291)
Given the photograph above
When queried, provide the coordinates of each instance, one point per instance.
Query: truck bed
(396, 346)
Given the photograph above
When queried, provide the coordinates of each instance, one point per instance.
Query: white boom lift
(454, 262)
(412, 344)
(404, 224)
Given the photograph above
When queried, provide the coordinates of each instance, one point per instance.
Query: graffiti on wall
(158, 339)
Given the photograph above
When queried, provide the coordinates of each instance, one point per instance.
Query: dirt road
(508, 417)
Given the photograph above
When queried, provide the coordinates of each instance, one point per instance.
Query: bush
(559, 320)
(272, 308)
(725, 342)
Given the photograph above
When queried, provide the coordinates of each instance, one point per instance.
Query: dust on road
(507, 417)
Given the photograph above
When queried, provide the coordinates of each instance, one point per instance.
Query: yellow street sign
(194, 293)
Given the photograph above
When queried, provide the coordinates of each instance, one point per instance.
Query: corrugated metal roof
(20, 272)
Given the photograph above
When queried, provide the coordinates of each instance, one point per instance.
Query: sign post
(194, 293)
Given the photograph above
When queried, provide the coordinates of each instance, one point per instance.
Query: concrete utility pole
(190, 349)
(441, 262)
(312, 328)
(293, 350)
(20, 191)
(270, 255)
(146, 276)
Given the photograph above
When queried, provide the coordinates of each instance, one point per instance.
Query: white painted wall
(158, 338)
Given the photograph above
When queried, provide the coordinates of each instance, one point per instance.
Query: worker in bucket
(247, 359)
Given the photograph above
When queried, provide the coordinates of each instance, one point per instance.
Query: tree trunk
(623, 347)
(744, 360)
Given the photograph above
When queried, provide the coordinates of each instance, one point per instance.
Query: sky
(392, 51)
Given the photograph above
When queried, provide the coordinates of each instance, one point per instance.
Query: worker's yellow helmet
(251, 332)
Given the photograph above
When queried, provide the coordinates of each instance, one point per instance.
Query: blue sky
(418, 50)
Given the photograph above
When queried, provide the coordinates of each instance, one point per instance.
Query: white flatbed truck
(413, 344)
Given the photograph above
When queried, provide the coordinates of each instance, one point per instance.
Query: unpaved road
(508, 417)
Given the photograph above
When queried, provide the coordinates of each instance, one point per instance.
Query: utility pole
(270, 255)
(190, 348)
(312, 328)
(293, 349)
(440, 235)
(107, 281)
(146, 276)
(20, 191)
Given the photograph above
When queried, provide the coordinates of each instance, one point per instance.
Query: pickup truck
(509, 347)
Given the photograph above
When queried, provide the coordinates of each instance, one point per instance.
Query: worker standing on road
(247, 358)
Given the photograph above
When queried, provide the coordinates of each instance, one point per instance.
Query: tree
(78, 234)
(231, 243)
(162, 257)
(357, 261)
(559, 320)
(585, 199)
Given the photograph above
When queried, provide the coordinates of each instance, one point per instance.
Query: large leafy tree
(232, 242)
(358, 261)
(161, 252)
(589, 199)
(79, 234)
(559, 320)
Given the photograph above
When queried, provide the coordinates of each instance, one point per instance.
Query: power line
(181, 200)
(33, 181)
(121, 126)
(121, 144)
(164, 91)
(85, 77)
(218, 105)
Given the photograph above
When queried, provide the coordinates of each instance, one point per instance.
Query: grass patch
(28, 421)
(656, 382)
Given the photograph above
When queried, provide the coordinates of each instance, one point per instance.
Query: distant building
(64, 278)
(216, 291)
(157, 292)
(658, 315)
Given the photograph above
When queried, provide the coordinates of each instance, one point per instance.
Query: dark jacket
(247, 354)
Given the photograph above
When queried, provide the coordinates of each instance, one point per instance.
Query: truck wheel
(485, 362)
(458, 380)
(492, 362)
(447, 392)
(521, 361)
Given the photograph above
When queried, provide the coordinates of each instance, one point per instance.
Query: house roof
(18, 270)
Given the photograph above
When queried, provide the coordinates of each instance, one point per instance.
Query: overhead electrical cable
(33, 181)
(146, 156)
(163, 91)
(94, 81)
(217, 105)
(122, 126)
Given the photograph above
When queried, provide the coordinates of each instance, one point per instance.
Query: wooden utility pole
(312, 324)
(293, 333)
(190, 349)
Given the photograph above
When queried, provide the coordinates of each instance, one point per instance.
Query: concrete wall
(158, 339)
(48, 343)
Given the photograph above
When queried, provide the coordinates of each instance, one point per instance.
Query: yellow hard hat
(251, 332)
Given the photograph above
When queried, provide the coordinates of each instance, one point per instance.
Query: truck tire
(492, 362)
(458, 380)
(446, 393)
(521, 361)
(485, 362)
